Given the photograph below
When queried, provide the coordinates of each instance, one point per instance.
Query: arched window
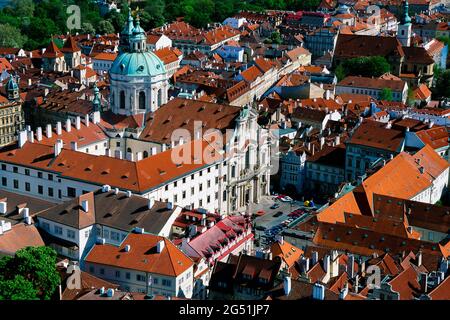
(129, 150)
(145, 154)
(142, 100)
(122, 99)
(159, 97)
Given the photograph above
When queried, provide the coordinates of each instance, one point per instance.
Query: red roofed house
(53, 59)
(143, 263)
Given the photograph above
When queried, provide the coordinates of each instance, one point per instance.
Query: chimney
(31, 136)
(151, 203)
(127, 248)
(128, 194)
(78, 122)
(419, 258)
(318, 291)
(110, 293)
(281, 240)
(169, 205)
(343, 292)
(116, 191)
(68, 125)
(351, 267)
(326, 263)
(423, 282)
(430, 125)
(25, 213)
(86, 120)
(39, 133)
(57, 147)
(304, 264)
(322, 142)
(28, 220)
(3, 206)
(337, 140)
(160, 246)
(49, 131)
(315, 258)
(422, 170)
(139, 156)
(22, 138)
(85, 205)
(106, 188)
(73, 145)
(287, 285)
(96, 117)
(58, 128)
(356, 284)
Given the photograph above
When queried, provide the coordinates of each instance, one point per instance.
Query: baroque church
(138, 78)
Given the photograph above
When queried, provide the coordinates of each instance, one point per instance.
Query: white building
(143, 263)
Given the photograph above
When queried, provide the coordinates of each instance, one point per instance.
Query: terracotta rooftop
(143, 255)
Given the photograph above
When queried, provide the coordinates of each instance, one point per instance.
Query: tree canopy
(33, 22)
(363, 66)
(442, 87)
(30, 274)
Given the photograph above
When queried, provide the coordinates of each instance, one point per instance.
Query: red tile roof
(52, 51)
(142, 255)
(19, 237)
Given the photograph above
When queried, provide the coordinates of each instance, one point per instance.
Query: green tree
(36, 265)
(23, 8)
(105, 27)
(18, 288)
(275, 37)
(442, 87)
(340, 72)
(117, 19)
(11, 36)
(386, 94)
(154, 10)
(366, 66)
(87, 28)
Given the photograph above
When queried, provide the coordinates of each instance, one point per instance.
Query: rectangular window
(117, 274)
(58, 230)
(50, 177)
(4, 167)
(50, 192)
(45, 226)
(102, 271)
(40, 175)
(115, 236)
(140, 278)
(71, 192)
(70, 234)
(27, 172)
(4, 181)
(40, 189)
(15, 169)
(166, 283)
(127, 276)
(27, 186)
(16, 184)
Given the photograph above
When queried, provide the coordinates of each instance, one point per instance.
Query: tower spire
(406, 19)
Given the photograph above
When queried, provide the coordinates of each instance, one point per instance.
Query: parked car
(286, 199)
(279, 213)
(275, 206)
(260, 228)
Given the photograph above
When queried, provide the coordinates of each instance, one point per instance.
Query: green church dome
(138, 64)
